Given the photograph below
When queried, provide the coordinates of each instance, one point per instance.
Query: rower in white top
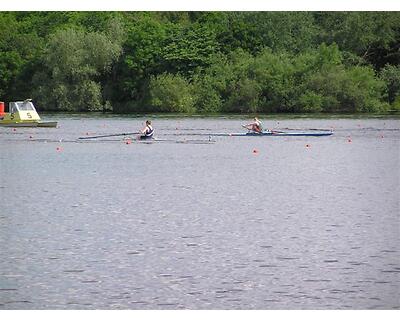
(255, 126)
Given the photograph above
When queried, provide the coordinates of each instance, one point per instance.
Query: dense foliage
(206, 62)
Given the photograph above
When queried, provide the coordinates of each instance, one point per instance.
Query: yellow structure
(23, 114)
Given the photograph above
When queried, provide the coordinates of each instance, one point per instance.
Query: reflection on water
(188, 225)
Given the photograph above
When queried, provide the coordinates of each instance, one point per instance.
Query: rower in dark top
(147, 131)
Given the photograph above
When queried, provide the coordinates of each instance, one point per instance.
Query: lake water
(239, 223)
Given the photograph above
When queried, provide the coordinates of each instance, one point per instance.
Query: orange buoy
(128, 141)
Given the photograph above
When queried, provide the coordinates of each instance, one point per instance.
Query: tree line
(202, 62)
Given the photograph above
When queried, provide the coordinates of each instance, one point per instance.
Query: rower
(255, 126)
(147, 131)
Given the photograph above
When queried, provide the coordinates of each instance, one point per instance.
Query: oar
(109, 135)
(244, 126)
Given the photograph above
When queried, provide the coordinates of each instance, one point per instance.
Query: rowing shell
(284, 133)
(263, 134)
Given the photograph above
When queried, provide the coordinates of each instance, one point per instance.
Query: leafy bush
(396, 104)
(88, 96)
(364, 90)
(310, 102)
(391, 75)
(274, 74)
(354, 89)
(245, 97)
(207, 98)
(170, 93)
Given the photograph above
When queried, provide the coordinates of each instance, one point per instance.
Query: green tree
(373, 36)
(19, 51)
(253, 31)
(141, 59)
(10, 67)
(75, 60)
(188, 48)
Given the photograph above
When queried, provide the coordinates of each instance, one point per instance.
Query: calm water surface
(165, 225)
